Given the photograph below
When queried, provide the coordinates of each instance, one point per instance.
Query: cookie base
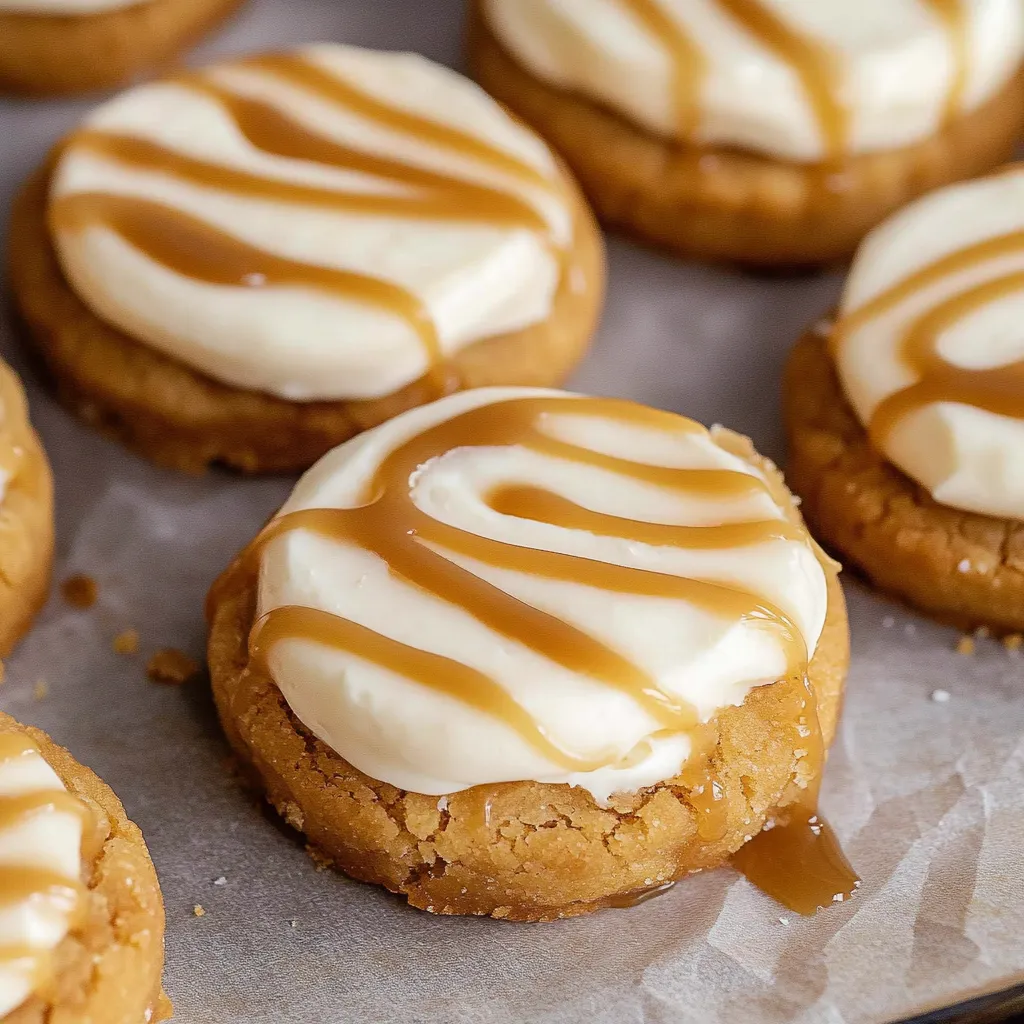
(519, 851)
(26, 522)
(55, 54)
(108, 971)
(180, 418)
(962, 568)
(721, 204)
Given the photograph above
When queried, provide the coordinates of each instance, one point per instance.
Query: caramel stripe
(343, 92)
(999, 390)
(193, 248)
(449, 677)
(688, 61)
(818, 68)
(953, 15)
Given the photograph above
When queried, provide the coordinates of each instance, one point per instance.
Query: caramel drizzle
(417, 547)
(28, 885)
(817, 67)
(998, 390)
(192, 248)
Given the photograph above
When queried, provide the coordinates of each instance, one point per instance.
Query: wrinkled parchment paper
(927, 795)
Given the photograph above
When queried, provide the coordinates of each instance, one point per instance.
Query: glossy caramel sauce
(40, 887)
(388, 523)
(998, 390)
(818, 68)
(193, 248)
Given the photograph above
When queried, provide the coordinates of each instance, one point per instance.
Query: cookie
(327, 310)
(905, 415)
(739, 174)
(436, 767)
(52, 48)
(83, 870)
(26, 515)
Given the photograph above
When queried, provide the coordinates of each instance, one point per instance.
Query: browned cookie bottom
(961, 567)
(180, 418)
(522, 851)
(724, 204)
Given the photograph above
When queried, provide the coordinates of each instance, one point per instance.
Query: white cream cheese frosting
(40, 864)
(64, 7)
(676, 585)
(316, 225)
(798, 80)
(929, 346)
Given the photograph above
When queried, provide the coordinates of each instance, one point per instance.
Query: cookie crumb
(320, 862)
(80, 591)
(982, 633)
(784, 920)
(888, 622)
(1013, 642)
(172, 667)
(220, 881)
(940, 696)
(41, 690)
(127, 642)
(293, 923)
(198, 910)
(965, 645)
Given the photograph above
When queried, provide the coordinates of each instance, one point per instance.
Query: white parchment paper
(927, 795)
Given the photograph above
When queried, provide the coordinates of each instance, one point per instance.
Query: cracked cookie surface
(108, 970)
(522, 851)
(961, 567)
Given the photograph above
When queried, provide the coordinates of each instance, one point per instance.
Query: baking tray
(927, 795)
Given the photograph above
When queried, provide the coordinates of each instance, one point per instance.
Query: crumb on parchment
(198, 910)
(41, 690)
(172, 667)
(127, 642)
(80, 591)
(965, 645)
(1013, 642)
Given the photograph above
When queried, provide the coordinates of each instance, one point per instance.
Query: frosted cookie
(82, 928)
(66, 46)
(906, 416)
(528, 654)
(26, 515)
(753, 130)
(250, 264)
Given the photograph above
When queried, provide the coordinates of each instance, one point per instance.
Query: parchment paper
(927, 795)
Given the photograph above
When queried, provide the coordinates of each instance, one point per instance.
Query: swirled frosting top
(803, 80)
(512, 584)
(329, 223)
